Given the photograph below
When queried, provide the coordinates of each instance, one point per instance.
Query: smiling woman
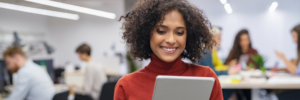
(141, 21)
(165, 31)
(168, 39)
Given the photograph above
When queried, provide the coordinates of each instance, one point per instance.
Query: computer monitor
(5, 76)
(49, 65)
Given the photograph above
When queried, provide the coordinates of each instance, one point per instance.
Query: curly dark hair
(140, 21)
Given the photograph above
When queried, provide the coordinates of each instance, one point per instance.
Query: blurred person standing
(32, 82)
(94, 76)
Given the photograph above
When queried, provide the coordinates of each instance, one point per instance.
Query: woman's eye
(180, 33)
(160, 32)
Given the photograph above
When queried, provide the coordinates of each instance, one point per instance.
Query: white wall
(20, 22)
(15, 20)
(100, 33)
(66, 35)
(269, 31)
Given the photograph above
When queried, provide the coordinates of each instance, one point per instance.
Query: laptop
(183, 88)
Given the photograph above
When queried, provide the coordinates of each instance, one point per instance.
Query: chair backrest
(83, 97)
(64, 96)
(108, 90)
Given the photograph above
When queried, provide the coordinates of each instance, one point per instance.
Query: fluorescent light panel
(273, 7)
(228, 8)
(223, 1)
(75, 8)
(39, 11)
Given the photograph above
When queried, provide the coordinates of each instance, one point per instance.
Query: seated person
(212, 60)
(94, 76)
(292, 67)
(164, 31)
(242, 46)
(32, 82)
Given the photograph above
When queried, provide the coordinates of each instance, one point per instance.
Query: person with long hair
(242, 46)
(293, 66)
(212, 60)
(165, 31)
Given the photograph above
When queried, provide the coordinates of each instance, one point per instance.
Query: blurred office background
(269, 30)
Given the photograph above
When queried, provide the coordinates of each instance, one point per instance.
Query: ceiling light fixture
(228, 8)
(273, 7)
(223, 1)
(75, 8)
(39, 11)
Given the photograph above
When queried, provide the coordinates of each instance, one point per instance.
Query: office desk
(58, 88)
(255, 87)
(275, 82)
(260, 86)
(61, 88)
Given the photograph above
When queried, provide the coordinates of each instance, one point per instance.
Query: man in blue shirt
(32, 82)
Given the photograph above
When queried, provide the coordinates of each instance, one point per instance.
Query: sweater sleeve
(225, 72)
(219, 66)
(216, 93)
(207, 61)
(119, 91)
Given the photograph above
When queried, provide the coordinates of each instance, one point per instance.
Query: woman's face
(168, 39)
(295, 36)
(245, 41)
(217, 38)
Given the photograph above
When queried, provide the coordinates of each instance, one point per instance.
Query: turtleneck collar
(161, 67)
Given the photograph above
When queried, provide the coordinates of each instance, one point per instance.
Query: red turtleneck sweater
(140, 85)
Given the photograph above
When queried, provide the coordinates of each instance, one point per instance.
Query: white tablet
(182, 88)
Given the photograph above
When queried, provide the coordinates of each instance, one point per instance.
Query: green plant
(259, 61)
(131, 63)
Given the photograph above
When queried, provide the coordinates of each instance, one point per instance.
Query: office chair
(107, 92)
(64, 96)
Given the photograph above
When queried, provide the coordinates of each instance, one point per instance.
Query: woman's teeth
(169, 49)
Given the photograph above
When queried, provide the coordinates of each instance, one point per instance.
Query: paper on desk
(74, 78)
(230, 79)
(284, 80)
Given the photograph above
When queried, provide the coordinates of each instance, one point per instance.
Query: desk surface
(262, 86)
(278, 80)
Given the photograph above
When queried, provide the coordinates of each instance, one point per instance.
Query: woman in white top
(293, 66)
(94, 76)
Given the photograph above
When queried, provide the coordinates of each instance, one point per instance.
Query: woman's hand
(280, 55)
(233, 71)
(71, 88)
(290, 65)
